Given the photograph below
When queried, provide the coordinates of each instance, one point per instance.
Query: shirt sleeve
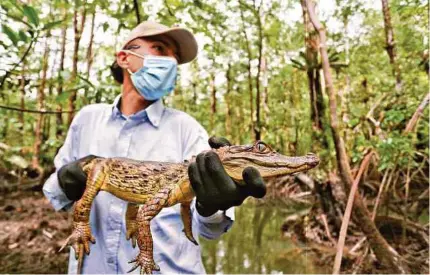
(66, 154)
(220, 222)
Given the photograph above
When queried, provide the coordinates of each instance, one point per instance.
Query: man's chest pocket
(170, 153)
(157, 149)
(96, 141)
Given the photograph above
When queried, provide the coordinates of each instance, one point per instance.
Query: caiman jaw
(268, 162)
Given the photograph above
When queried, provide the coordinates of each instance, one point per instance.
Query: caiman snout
(312, 159)
(267, 161)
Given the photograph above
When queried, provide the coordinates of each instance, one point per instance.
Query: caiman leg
(144, 238)
(81, 235)
(131, 223)
(187, 221)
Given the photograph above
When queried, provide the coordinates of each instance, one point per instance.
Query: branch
(413, 121)
(347, 214)
(136, 8)
(377, 103)
(33, 111)
(19, 62)
(168, 8)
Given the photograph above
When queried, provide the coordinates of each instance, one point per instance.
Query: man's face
(160, 45)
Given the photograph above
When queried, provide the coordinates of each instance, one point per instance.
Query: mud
(31, 233)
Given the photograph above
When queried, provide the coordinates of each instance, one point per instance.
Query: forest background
(263, 72)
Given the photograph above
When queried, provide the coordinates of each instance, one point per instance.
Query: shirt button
(111, 260)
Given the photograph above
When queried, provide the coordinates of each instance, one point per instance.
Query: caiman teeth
(275, 164)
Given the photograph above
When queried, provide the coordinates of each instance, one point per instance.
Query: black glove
(213, 187)
(72, 178)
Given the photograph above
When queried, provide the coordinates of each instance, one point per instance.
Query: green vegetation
(258, 76)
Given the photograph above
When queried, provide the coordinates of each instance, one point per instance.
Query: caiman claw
(132, 232)
(146, 262)
(79, 240)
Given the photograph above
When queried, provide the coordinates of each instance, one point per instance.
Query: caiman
(156, 185)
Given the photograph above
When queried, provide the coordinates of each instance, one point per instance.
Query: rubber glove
(72, 178)
(214, 189)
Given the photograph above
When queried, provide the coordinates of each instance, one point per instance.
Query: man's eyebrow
(129, 47)
(167, 44)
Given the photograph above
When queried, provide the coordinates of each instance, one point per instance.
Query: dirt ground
(31, 233)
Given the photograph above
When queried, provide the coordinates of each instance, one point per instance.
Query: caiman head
(268, 162)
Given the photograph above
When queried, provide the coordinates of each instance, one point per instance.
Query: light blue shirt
(157, 133)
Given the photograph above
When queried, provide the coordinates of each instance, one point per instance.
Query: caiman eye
(261, 147)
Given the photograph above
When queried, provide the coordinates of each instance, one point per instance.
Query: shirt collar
(115, 107)
(153, 112)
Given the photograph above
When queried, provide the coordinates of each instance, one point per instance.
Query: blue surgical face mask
(157, 76)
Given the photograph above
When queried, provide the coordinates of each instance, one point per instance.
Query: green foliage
(31, 14)
(51, 25)
(13, 36)
(394, 151)
(361, 68)
(11, 157)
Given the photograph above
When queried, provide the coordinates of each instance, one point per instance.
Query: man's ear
(122, 60)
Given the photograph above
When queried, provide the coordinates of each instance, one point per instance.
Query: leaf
(105, 26)
(3, 44)
(297, 64)
(23, 36)
(198, 3)
(18, 161)
(86, 80)
(62, 97)
(31, 14)
(11, 34)
(4, 146)
(50, 25)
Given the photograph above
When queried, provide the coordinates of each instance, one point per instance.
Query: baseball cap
(187, 44)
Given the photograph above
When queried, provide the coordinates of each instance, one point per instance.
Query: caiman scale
(156, 185)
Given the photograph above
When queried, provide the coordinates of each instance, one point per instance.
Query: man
(138, 126)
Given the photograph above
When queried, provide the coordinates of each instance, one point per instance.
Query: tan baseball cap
(185, 40)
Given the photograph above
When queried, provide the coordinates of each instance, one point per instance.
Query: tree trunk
(317, 105)
(22, 99)
(136, 9)
(257, 130)
(59, 118)
(194, 85)
(265, 81)
(344, 106)
(311, 55)
(240, 116)
(213, 102)
(227, 103)
(90, 56)
(391, 44)
(40, 106)
(48, 119)
(250, 85)
(6, 119)
(46, 128)
(78, 33)
(292, 145)
(387, 256)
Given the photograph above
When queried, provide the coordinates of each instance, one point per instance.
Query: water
(256, 244)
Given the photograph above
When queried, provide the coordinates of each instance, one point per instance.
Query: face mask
(157, 76)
